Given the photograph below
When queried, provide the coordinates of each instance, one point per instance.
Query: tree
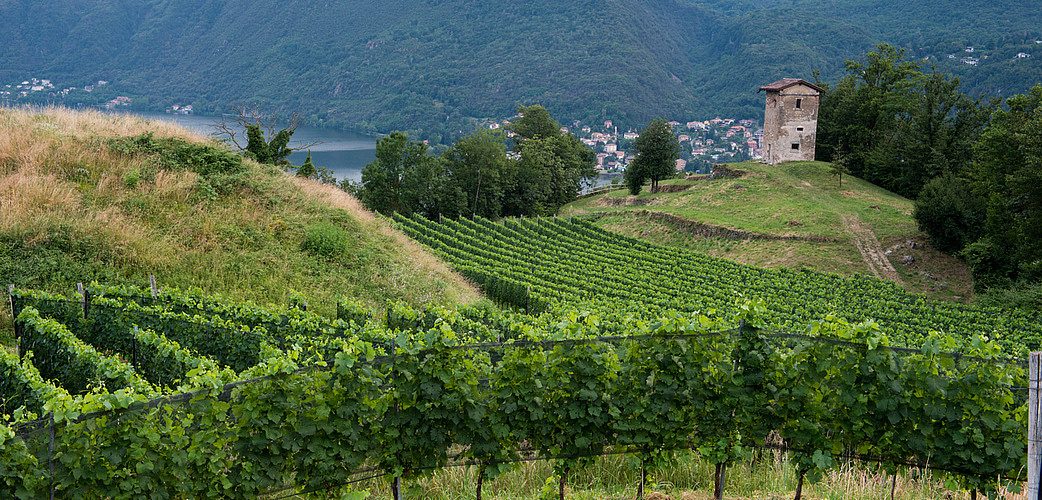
(477, 164)
(1007, 179)
(949, 213)
(429, 191)
(900, 127)
(839, 165)
(535, 122)
(657, 151)
(553, 165)
(383, 186)
(307, 170)
(266, 136)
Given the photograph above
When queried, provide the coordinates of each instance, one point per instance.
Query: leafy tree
(657, 151)
(307, 170)
(383, 179)
(1007, 179)
(553, 164)
(535, 122)
(900, 127)
(839, 166)
(478, 166)
(949, 213)
(429, 191)
(635, 177)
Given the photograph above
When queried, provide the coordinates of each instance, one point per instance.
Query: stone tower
(790, 120)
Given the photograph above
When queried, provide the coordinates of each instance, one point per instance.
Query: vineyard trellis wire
(596, 394)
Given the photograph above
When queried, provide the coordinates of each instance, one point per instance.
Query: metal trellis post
(1033, 489)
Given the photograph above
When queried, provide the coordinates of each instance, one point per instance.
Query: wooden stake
(643, 479)
(1032, 488)
(152, 283)
(718, 488)
(17, 340)
(83, 298)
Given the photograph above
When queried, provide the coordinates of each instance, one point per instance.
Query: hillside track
(871, 251)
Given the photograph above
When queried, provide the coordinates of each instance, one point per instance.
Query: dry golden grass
(62, 186)
(418, 258)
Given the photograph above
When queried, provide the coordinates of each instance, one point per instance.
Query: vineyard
(538, 264)
(121, 392)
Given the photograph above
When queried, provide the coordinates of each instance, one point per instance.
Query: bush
(947, 212)
(326, 240)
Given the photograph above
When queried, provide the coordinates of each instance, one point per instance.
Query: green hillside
(87, 196)
(432, 66)
(791, 215)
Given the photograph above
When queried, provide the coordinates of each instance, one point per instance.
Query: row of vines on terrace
(534, 264)
(183, 395)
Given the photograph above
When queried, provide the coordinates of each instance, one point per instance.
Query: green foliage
(383, 179)
(552, 168)
(475, 177)
(898, 126)
(21, 474)
(947, 211)
(78, 367)
(221, 172)
(657, 150)
(566, 383)
(175, 154)
(327, 241)
(22, 389)
(535, 264)
(1007, 178)
(481, 172)
(307, 169)
(273, 152)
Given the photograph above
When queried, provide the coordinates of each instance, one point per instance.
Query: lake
(344, 153)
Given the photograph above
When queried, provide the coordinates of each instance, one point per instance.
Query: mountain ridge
(433, 66)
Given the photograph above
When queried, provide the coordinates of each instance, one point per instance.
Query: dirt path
(871, 250)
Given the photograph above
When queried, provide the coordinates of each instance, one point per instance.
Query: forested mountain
(431, 65)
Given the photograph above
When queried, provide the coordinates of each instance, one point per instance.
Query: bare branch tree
(231, 127)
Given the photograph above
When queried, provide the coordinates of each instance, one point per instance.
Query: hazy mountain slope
(432, 64)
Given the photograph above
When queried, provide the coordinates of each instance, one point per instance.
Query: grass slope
(74, 209)
(801, 200)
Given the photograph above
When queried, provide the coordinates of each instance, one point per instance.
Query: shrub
(326, 240)
(948, 213)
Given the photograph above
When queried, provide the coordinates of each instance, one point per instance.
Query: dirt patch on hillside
(629, 201)
(871, 251)
(706, 230)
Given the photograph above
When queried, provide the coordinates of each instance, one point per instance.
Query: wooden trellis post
(1033, 489)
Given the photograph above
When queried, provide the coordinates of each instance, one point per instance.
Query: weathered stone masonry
(790, 120)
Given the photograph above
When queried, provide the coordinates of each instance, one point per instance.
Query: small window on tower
(799, 102)
(799, 129)
(795, 146)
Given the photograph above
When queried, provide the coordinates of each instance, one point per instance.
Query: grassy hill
(87, 196)
(790, 215)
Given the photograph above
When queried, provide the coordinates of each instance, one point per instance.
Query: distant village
(703, 143)
(34, 89)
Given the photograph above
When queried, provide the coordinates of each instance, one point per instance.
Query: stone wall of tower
(790, 124)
